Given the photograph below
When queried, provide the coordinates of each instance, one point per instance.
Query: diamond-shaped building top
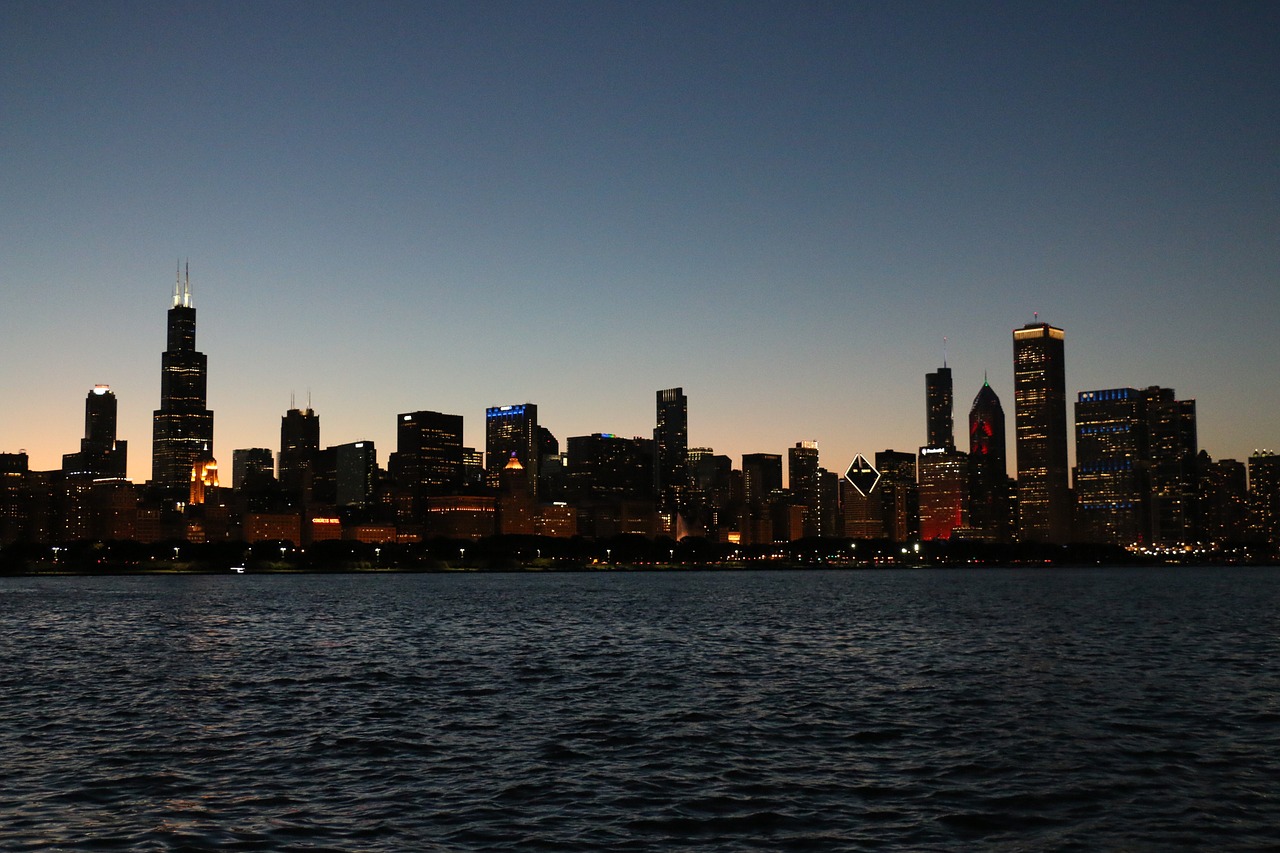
(862, 475)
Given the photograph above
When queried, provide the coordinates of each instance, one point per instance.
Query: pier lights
(608, 555)
(462, 553)
(283, 548)
(377, 555)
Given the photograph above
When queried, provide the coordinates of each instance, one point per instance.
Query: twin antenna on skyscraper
(182, 287)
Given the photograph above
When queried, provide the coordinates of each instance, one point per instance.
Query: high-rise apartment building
(512, 431)
(182, 428)
(938, 397)
(1040, 412)
(671, 449)
(100, 456)
(989, 515)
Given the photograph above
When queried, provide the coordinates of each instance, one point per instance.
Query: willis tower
(182, 431)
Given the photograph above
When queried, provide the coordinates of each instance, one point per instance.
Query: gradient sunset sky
(782, 207)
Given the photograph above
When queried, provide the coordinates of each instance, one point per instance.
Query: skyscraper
(1040, 411)
(803, 480)
(429, 455)
(988, 470)
(182, 428)
(252, 469)
(1264, 496)
(1111, 471)
(100, 455)
(508, 431)
(938, 407)
(671, 446)
(1136, 466)
(299, 444)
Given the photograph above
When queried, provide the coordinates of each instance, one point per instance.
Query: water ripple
(1101, 709)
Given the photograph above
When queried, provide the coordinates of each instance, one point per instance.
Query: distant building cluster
(1140, 480)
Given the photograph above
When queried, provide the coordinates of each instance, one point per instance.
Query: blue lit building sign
(503, 411)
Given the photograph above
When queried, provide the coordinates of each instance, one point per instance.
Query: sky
(792, 210)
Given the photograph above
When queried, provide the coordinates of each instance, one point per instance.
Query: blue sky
(782, 207)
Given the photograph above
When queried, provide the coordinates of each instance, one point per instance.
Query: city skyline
(783, 210)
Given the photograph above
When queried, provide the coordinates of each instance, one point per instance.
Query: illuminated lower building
(943, 481)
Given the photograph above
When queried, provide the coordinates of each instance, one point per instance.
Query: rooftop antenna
(944, 350)
(293, 403)
(1036, 316)
(177, 283)
(186, 286)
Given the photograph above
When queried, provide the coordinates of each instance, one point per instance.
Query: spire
(177, 285)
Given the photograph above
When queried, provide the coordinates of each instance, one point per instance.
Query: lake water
(795, 710)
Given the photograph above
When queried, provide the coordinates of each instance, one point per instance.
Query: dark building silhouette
(101, 456)
(429, 455)
(602, 466)
(15, 498)
(512, 430)
(899, 494)
(1172, 458)
(671, 449)
(252, 469)
(299, 444)
(182, 428)
(804, 482)
(761, 478)
(938, 398)
(989, 515)
(1223, 500)
(1040, 411)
